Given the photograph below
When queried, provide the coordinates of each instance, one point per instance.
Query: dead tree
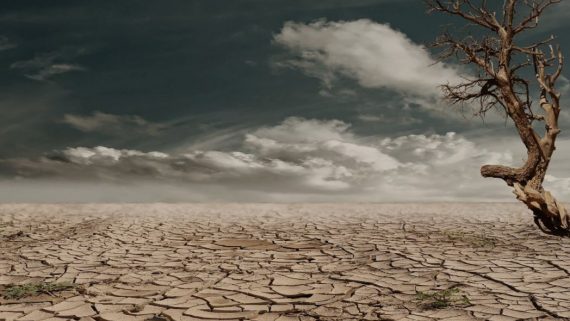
(508, 73)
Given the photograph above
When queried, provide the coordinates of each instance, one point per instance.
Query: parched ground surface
(282, 262)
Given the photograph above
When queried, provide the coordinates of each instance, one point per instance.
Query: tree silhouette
(508, 72)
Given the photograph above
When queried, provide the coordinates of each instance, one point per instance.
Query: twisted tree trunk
(499, 85)
(549, 215)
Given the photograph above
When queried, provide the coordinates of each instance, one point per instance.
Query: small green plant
(478, 240)
(16, 292)
(442, 299)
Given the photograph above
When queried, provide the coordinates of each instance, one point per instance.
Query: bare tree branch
(502, 83)
(537, 9)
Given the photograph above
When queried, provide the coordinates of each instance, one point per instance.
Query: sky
(246, 101)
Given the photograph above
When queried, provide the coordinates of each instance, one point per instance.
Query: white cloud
(557, 184)
(45, 66)
(112, 124)
(103, 155)
(54, 69)
(298, 130)
(383, 119)
(297, 160)
(298, 138)
(374, 54)
(442, 149)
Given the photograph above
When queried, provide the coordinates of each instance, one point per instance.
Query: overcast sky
(244, 100)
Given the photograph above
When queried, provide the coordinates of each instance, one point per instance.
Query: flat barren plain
(283, 262)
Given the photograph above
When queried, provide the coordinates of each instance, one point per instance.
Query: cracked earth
(282, 262)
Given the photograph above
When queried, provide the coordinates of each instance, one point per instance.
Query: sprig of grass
(442, 299)
(479, 240)
(16, 292)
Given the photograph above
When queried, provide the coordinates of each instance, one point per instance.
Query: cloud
(377, 57)
(54, 69)
(383, 119)
(45, 66)
(557, 183)
(112, 124)
(296, 160)
(373, 54)
(6, 44)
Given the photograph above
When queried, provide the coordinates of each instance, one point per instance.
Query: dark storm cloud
(191, 76)
(168, 61)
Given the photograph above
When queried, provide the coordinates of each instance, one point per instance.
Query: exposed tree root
(549, 215)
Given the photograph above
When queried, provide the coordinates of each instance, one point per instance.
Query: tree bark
(500, 85)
